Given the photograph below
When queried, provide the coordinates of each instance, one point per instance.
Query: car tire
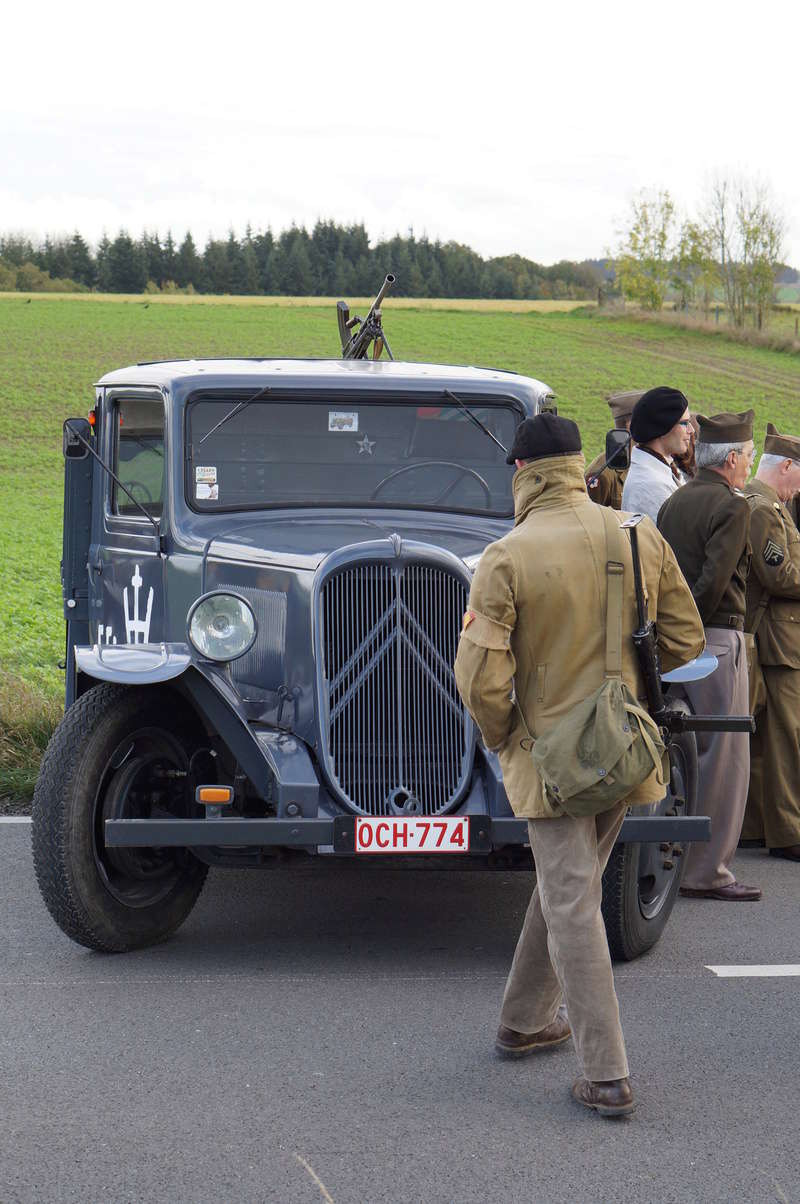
(128, 750)
(638, 891)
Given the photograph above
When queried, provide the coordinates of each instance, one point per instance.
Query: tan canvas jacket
(537, 614)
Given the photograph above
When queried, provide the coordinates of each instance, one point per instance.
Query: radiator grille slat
(397, 738)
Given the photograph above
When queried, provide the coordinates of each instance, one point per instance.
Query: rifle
(645, 642)
(355, 346)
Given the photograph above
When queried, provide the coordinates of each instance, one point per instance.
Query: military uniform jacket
(537, 615)
(610, 482)
(707, 524)
(774, 578)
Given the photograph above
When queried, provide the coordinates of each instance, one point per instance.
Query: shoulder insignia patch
(773, 553)
(469, 617)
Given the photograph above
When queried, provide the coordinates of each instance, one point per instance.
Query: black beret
(656, 412)
(544, 435)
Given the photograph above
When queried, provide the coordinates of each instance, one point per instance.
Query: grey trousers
(724, 760)
(562, 952)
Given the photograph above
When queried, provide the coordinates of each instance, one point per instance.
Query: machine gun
(644, 639)
(356, 346)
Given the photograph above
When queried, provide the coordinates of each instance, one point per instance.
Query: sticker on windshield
(339, 420)
(205, 492)
(207, 475)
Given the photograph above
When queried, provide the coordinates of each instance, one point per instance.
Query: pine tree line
(332, 260)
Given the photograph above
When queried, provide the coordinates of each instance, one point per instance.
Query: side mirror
(617, 448)
(72, 447)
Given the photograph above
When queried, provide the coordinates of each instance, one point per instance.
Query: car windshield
(357, 452)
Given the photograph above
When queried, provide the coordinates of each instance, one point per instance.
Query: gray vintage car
(265, 567)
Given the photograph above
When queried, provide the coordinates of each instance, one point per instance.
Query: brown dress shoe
(511, 1044)
(736, 892)
(614, 1098)
(791, 852)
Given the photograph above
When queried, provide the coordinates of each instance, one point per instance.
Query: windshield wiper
(474, 418)
(237, 409)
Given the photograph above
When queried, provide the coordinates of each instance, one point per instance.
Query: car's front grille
(397, 737)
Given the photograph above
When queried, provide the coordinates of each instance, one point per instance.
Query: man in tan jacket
(605, 487)
(536, 619)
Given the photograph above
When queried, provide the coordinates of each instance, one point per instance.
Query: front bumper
(337, 835)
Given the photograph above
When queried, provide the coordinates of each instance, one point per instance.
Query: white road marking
(313, 1175)
(774, 971)
(15, 819)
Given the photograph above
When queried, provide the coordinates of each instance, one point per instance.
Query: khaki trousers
(562, 952)
(724, 760)
(773, 803)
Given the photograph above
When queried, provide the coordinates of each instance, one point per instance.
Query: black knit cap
(544, 435)
(656, 412)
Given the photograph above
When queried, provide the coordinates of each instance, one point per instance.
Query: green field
(53, 349)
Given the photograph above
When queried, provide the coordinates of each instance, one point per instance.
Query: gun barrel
(387, 284)
(719, 723)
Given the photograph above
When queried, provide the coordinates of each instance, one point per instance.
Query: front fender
(133, 664)
(276, 762)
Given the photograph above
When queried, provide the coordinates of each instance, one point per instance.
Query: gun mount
(369, 330)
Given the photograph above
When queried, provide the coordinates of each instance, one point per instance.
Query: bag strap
(615, 571)
(636, 717)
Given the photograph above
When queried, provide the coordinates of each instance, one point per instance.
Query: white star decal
(365, 446)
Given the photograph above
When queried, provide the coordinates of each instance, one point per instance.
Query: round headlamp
(222, 626)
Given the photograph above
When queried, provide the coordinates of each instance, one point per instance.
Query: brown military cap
(726, 428)
(776, 444)
(621, 404)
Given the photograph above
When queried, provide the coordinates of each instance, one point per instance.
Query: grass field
(53, 349)
(357, 304)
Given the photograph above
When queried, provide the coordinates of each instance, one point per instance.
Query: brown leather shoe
(614, 1098)
(511, 1044)
(791, 852)
(736, 892)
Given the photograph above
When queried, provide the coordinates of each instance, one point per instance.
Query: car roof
(182, 377)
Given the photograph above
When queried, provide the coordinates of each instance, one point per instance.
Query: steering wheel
(462, 472)
(136, 488)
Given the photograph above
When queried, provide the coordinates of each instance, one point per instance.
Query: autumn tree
(748, 233)
(644, 260)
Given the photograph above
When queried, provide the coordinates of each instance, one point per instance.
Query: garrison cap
(726, 428)
(656, 412)
(776, 444)
(545, 435)
(621, 404)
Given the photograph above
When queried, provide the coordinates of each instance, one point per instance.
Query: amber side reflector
(214, 794)
(92, 418)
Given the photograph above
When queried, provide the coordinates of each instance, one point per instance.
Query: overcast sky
(510, 129)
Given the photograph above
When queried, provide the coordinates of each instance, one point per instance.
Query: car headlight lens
(222, 626)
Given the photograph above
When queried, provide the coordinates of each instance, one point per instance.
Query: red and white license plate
(398, 835)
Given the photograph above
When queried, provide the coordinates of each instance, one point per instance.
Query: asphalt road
(328, 1036)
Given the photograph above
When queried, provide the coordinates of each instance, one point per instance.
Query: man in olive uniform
(605, 487)
(773, 614)
(536, 622)
(707, 522)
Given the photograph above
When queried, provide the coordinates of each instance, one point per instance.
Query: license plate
(397, 835)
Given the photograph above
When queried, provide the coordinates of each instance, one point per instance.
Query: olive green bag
(608, 744)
